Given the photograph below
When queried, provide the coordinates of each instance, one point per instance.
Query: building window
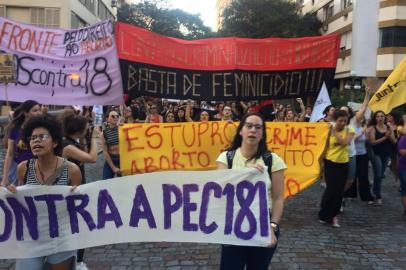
(328, 11)
(2, 11)
(89, 4)
(45, 17)
(345, 4)
(103, 12)
(394, 36)
(76, 21)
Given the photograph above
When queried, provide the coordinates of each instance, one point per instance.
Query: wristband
(275, 226)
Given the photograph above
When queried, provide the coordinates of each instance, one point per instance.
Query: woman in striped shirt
(109, 142)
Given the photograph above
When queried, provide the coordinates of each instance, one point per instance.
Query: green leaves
(267, 18)
(169, 22)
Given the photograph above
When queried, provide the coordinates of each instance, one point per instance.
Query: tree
(267, 18)
(169, 22)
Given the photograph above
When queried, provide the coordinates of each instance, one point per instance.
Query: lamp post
(354, 84)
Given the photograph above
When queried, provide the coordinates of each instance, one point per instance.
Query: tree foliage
(267, 18)
(154, 17)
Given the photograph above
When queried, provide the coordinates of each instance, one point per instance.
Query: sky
(206, 9)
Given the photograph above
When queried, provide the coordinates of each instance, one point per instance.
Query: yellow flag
(392, 92)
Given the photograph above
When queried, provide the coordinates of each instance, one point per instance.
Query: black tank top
(384, 148)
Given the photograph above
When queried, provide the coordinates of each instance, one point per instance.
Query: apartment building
(59, 13)
(338, 17)
(220, 6)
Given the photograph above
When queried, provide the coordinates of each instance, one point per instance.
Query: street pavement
(370, 237)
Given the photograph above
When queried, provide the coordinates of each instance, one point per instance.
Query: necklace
(43, 181)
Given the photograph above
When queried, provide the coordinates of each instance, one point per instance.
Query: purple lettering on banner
(263, 208)
(140, 199)
(8, 222)
(189, 207)
(207, 229)
(52, 216)
(170, 208)
(105, 200)
(245, 211)
(74, 209)
(30, 215)
(229, 191)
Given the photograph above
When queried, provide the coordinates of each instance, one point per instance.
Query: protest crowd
(354, 143)
(240, 116)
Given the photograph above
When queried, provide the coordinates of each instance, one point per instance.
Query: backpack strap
(230, 156)
(54, 177)
(267, 157)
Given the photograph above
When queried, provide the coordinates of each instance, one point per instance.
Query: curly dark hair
(47, 122)
(237, 141)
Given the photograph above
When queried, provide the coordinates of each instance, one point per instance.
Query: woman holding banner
(249, 149)
(43, 135)
(17, 150)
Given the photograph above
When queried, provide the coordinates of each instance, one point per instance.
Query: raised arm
(302, 110)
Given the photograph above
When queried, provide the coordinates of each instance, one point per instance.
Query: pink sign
(62, 67)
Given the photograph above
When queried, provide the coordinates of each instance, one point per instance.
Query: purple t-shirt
(402, 160)
(21, 150)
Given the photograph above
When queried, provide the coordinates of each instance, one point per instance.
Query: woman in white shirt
(249, 147)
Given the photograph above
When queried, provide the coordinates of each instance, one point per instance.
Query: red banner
(271, 54)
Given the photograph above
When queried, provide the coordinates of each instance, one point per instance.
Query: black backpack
(267, 157)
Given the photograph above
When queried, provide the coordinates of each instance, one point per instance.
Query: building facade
(59, 13)
(220, 6)
(337, 17)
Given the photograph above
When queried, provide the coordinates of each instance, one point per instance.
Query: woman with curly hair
(43, 134)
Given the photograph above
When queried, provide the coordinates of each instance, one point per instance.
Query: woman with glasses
(153, 115)
(109, 142)
(249, 146)
(382, 139)
(44, 136)
(17, 150)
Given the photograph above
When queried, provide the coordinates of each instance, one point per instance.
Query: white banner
(220, 206)
(322, 101)
(62, 67)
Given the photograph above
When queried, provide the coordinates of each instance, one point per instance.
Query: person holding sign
(249, 149)
(43, 135)
(17, 150)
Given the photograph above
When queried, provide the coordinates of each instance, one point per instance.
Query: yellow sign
(196, 146)
(392, 93)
